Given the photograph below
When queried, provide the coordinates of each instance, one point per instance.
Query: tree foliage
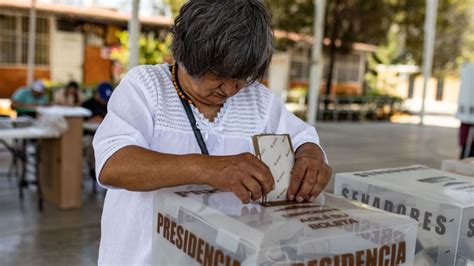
(365, 21)
(453, 27)
(346, 22)
(349, 21)
(356, 20)
(175, 6)
(385, 54)
(153, 49)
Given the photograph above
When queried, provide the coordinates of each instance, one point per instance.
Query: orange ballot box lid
(200, 225)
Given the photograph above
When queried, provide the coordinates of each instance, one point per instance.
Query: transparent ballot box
(199, 225)
(441, 202)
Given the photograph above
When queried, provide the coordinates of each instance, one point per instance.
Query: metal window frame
(42, 39)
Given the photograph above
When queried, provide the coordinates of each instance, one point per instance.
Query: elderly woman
(192, 123)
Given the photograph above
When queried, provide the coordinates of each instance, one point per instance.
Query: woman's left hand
(310, 173)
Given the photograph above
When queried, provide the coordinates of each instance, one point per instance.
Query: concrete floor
(357, 147)
(55, 237)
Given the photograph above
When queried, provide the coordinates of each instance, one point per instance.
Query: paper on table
(276, 151)
(64, 111)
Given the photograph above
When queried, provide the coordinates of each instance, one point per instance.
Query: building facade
(71, 43)
(74, 38)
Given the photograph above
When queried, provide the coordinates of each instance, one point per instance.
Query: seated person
(98, 104)
(69, 95)
(25, 100)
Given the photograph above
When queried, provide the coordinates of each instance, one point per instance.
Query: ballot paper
(276, 151)
(441, 202)
(199, 225)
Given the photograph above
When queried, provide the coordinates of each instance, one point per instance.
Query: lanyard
(196, 131)
(192, 120)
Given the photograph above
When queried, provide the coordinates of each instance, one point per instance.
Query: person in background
(25, 100)
(463, 141)
(69, 95)
(98, 104)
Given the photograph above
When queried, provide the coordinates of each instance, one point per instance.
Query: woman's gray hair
(230, 38)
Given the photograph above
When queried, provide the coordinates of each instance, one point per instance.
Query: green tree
(153, 49)
(175, 6)
(346, 22)
(453, 44)
(349, 21)
(291, 15)
(467, 44)
(385, 54)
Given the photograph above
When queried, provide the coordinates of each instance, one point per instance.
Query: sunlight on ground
(429, 120)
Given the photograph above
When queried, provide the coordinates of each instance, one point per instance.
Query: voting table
(199, 225)
(60, 169)
(14, 139)
(441, 202)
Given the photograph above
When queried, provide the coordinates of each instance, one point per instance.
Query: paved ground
(356, 147)
(72, 237)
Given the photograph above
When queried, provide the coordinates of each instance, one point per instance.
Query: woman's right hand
(243, 174)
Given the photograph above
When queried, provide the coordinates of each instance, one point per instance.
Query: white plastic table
(65, 111)
(31, 132)
(18, 150)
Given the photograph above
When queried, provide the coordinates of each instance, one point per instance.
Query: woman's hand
(310, 174)
(243, 174)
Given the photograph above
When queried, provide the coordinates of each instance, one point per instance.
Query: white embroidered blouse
(145, 111)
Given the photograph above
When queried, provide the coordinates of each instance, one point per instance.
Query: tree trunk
(364, 80)
(332, 53)
(332, 59)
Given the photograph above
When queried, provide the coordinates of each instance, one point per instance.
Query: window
(14, 40)
(300, 63)
(348, 68)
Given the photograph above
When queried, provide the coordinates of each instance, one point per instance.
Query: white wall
(279, 73)
(67, 56)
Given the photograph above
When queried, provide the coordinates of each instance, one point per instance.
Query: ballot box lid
(329, 225)
(419, 181)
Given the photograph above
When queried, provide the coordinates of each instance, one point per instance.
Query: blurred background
(380, 79)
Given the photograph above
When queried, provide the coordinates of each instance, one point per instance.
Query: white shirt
(145, 111)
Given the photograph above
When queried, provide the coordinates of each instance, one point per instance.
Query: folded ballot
(200, 225)
(441, 202)
(276, 151)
